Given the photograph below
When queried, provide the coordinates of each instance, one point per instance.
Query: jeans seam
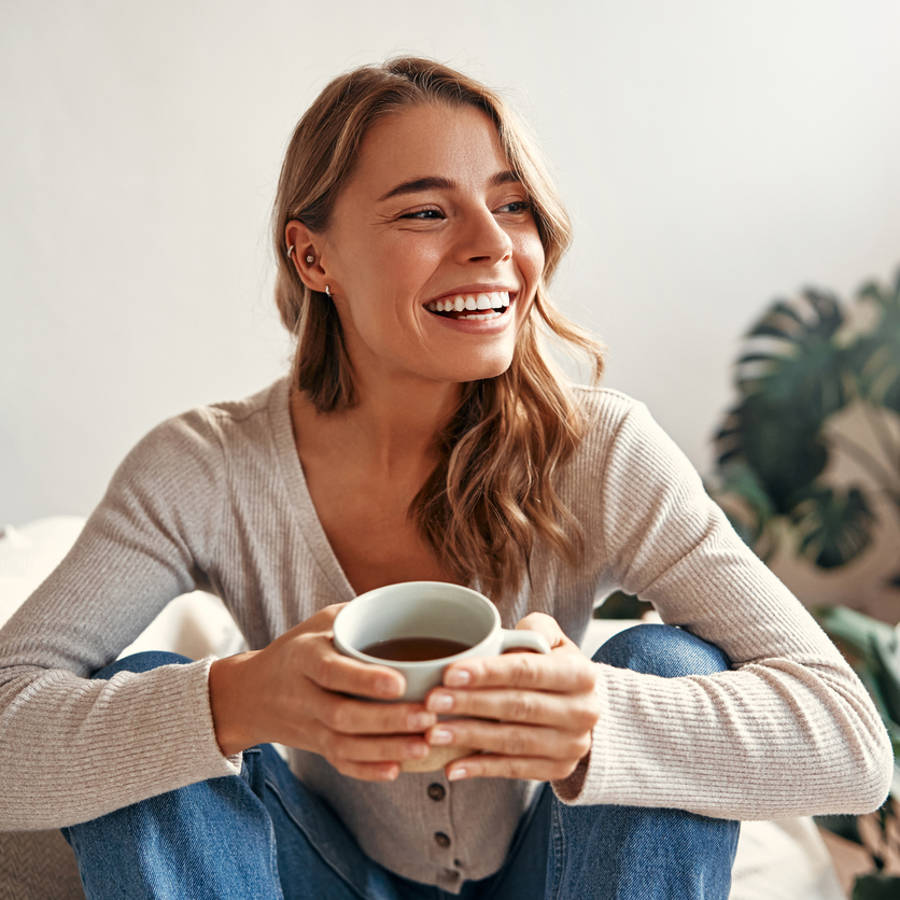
(558, 843)
(274, 789)
(273, 854)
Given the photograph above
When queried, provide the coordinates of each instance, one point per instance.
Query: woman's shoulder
(605, 408)
(616, 423)
(226, 421)
(256, 404)
(204, 436)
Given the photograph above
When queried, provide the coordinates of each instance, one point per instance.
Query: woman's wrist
(228, 689)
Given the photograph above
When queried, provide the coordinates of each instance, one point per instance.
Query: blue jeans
(264, 835)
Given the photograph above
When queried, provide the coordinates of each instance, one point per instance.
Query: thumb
(547, 626)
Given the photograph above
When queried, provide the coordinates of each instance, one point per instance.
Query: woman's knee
(662, 650)
(141, 662)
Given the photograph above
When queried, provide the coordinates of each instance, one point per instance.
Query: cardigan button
(441, 839)
(436, 791)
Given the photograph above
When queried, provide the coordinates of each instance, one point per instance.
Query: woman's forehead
(459, 142)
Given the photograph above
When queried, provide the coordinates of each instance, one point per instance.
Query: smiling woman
(432, 180)
(421, 435)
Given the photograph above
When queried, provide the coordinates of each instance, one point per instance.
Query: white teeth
(470, 302)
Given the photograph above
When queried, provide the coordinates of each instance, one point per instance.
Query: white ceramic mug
(429, 609)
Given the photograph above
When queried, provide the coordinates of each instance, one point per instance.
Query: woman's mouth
(472, 306)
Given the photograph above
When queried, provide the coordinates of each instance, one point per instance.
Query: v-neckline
(298, 490)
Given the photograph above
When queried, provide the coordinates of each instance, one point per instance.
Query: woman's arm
(791, 730)
(72, 748)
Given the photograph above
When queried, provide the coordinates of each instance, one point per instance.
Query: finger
(384, 771)
(325, 617)
(322, 620)
(510, 740)
(349, 716)
(547, 626)
(564, 670)
(486, 765)
(568, 712)
(355, 749)
(323, 665)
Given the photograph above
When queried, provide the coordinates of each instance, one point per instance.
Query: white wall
(713, 154)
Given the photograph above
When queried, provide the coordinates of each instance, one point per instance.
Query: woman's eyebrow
(431, 182)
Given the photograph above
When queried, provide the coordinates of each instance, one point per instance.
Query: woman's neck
(391, 430)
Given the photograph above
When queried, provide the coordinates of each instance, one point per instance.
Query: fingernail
(387, 687)
(457, 677)
(440, 736)
(421, 721)
(438, 702)
(456, 774)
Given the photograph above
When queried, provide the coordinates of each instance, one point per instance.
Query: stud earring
(328, 290)
(310, 259)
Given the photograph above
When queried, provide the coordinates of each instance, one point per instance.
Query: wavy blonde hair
(491, 495)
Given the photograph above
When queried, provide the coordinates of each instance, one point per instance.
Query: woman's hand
(294, 692)
(535, 712)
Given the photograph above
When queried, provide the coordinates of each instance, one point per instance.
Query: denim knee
(141, 662)
(662, 650)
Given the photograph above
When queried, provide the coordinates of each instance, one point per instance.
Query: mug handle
(522, 639)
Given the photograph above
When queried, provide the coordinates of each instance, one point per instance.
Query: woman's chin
(479, 369)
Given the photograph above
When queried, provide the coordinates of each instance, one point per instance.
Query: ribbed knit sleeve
(71, 748)
(789, 730)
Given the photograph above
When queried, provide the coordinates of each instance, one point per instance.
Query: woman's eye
(424, 214)
(517, 206)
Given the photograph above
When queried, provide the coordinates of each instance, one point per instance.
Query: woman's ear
(301, 249)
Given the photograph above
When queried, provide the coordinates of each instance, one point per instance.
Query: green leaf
(833, 527)
(885, 651)
(854, 627)
(876, 886)
(877, 363)
(876, 354)
(876, 646)
(788, 388)
(784, 308)
(785, 453)
(737, 479)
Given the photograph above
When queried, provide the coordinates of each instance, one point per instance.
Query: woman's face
(431, 223)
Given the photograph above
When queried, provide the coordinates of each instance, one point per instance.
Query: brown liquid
(414, 649)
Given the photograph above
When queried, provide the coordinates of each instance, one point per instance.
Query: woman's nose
(482, 238)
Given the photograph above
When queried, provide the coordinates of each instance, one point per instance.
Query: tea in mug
(414, 649)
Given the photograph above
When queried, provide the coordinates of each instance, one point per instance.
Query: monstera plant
(809, 367)
(873, 649)
(805, 364)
